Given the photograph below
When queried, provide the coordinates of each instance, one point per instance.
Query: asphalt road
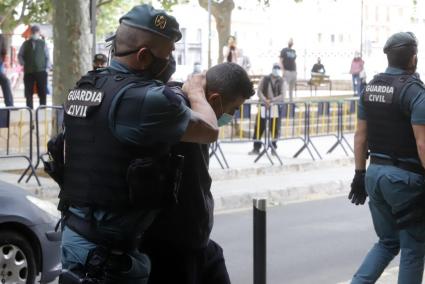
(320, 241)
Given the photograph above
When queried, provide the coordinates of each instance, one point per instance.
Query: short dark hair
(400, 57)
(100, 57)
(229, 80)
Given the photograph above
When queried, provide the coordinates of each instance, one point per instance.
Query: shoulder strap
(412, 82)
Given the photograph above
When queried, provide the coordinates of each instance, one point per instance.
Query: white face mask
(35, 37)
(276, 72)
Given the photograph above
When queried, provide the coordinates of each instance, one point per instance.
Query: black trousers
(176, 265)
(41, 79)
(259, 130)
(5, 88)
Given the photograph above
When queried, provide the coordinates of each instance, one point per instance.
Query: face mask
(276, 72)
(35, 37)
(225, 118)
(197, 69)
(162, 69)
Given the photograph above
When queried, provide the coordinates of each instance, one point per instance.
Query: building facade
(329, 29)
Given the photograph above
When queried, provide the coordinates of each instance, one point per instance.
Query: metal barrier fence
(16, 132)
(254, 122)
(241, 129)
(48, 122)
(257, 123)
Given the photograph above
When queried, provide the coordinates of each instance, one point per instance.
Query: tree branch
(24, 7)
(104, 2)
(11, 7)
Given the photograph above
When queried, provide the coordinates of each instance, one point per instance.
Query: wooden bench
(317, 80)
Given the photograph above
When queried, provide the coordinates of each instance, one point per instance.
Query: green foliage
(39, 11)
(16, 12)
(168, 4)
(108, 14)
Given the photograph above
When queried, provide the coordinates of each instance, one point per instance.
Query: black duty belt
(88, 229)
(411, 167)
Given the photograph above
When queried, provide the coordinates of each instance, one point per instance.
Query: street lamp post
(209, 34)
(361, 30)
(93, 25)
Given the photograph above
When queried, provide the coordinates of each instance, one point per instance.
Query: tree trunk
(72, 41)
(222, 13)
(7, 35)
(9, 22)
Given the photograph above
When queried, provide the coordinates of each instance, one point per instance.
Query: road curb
(285, 195)
(235, 173)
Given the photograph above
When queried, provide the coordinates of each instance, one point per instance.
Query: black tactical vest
(389, 129)
(96, 162)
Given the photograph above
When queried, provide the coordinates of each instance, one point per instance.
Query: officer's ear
(413, 63)
(144, 57)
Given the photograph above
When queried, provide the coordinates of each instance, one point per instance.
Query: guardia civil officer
(120, 122)
(178, 242)
(391, 126)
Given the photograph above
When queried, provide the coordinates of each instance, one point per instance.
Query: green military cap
(147, 18)
(402, 39)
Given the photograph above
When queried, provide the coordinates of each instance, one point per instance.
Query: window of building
(183, 31)
(199, 36)
(377, 13)
(366, 12)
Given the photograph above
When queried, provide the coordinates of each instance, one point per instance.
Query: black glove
(358, 192)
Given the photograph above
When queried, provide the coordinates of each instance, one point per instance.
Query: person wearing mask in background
(178, 242)
(4, 81)
(197, 68)
(244, 61)
(100, 61)
(114, 164)
(34, 57)
(318, 67)
(231, 51)
(270, 89)
(391, 130)
(289, 66)
(357, 65)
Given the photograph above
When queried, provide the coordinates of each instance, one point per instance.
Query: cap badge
(160, 21)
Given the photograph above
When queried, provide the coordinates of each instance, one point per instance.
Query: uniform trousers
(390, 191)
